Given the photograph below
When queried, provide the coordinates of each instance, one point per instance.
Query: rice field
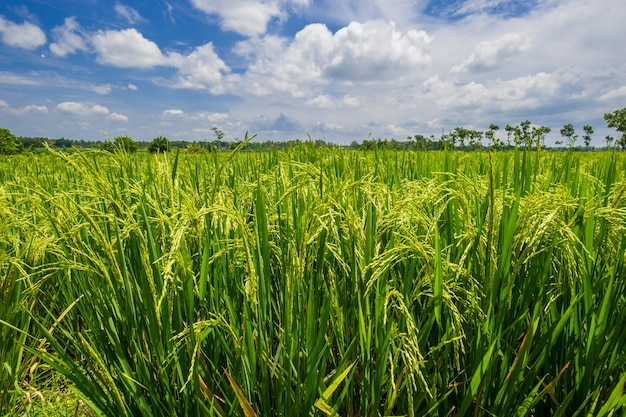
(314, 281)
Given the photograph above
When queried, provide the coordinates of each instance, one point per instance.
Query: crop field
(313, 281)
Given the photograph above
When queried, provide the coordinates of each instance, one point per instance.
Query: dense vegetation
(315, 281)
(524, 134)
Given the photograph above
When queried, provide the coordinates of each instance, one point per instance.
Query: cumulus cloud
(25, 35)
(30, 110)
(614, 94)
(127, 48)
(102, 89)
(376, 50)
(246, 17)
(360, 52)
(82, 109)
(350, 101)
(132, 87)
(179, 114)
(69, 38)
(323, 101)
(131, 15)
(326, 101)
(494, 54)
(201, 69)
(117, 117)
(530, 91)
(173, 112)
(282, 123)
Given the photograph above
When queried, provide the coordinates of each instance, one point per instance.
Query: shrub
(160, 144)
(9, 143)
(126, 143)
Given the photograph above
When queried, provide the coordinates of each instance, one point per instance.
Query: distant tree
(160, 144)
(525, 133)
(126, 143)
(422, 142)
(538, 134)
(609, 140)
(33, 143)
(494, 142)
(195, 148)
(617, 120)
(219, 135)
(520, 133)
(460, 134)
(9, 143)
(475, 138)
(587, 136)
(510, 132)
(108, 146)
(63, 143)
(567, 131)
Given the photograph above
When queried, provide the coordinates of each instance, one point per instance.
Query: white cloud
(132, 87)
(100, 110)
(403, 12)
(82, 109)
(24, 36)
(360, 52)
(69, 38)
(375, 50)
(131, 15)
(350, 101)
(524, 92)
(614, 94)
(323, 101)
(202, 69)
(117, 117)
(397, 131)
(246, 17)
(326, 101)
(173, 112)
(30, 110)
(216, 117)
(102, 89)
(490, 55)
(127, 48)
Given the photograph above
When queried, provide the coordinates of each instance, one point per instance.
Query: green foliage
(617, 120)
(108, 146)
(126, 144)
(195, 148)
(9, 143)
(587, 136)
(219, 135)
(316, 280)
(494, 141)
(160, 144)
(63, 143)
(521, 134)
(567, 131)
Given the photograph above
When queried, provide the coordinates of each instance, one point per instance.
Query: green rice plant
(322, 281)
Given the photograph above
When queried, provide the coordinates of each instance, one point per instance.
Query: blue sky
(339, 70)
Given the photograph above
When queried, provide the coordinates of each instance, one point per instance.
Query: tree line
(524, 134)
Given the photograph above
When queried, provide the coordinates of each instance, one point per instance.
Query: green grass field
(313, 281)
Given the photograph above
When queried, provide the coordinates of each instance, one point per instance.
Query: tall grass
(318, 282)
